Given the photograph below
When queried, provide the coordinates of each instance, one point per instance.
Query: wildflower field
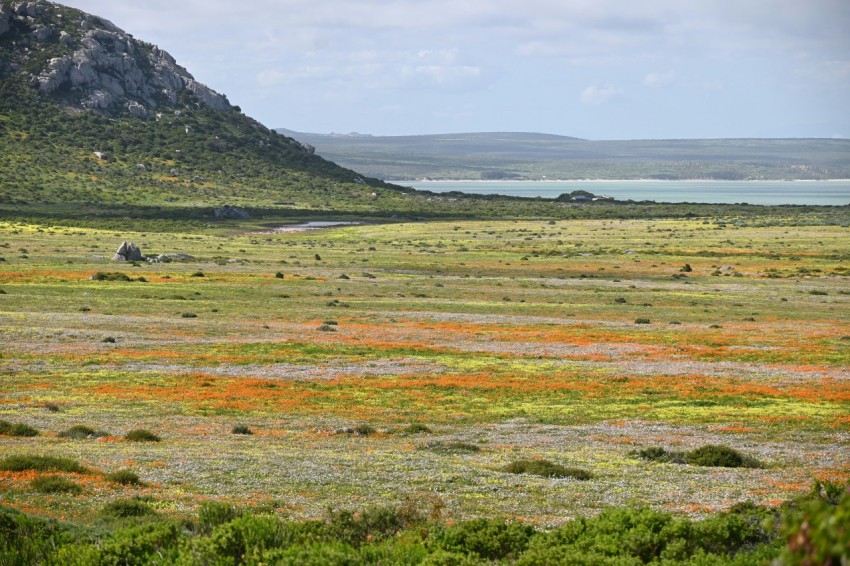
(380, 363)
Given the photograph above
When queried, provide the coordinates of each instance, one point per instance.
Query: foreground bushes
(812, 530)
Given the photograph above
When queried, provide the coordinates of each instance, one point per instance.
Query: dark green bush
(22, 462)
(214, 513)
(123, 508)
(124, 477)
(452, 447)
(110, 276)
(81, 432)
(658, 454)
(546, 469)
(54, 484)
(642, 321)
(372, 524)
(489, 539)
(21, 429)
(327, 328)
(416, 428)
(141, 435)
(241, 429)
(719, 456)
(189, 315)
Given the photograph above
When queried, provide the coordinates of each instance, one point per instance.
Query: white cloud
(658, 80)
(595, 95)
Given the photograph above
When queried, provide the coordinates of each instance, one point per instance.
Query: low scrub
(23, 462)
(17, 429)
(110, 276)
(82, 432)
(452, 447)
(416, 428)
(241, 429)
(141, 435)
(546, 469)
(55, 484)
(124, 508)
(710, 455)
(124, 477)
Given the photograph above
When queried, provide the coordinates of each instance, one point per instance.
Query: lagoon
(835, 193)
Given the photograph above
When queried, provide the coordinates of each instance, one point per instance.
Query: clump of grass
(658, 454)
(278, 275)
(327, 328)
(331, 323)
(17, 429)
(82, 431)
(198, 274)
(452, 447)
(54, 484)
(546, 469)
(108, 340)
(24, 462)
(141, 435)
(241, 429)
(189, 315)
(642, 321)
(416, 428)
(52, 407)
(124, 477)
(123, 508)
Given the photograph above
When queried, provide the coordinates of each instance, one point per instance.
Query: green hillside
(504, 155)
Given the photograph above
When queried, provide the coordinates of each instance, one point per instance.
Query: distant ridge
(535, 156)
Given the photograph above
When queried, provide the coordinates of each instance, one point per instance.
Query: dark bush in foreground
(141, 435)
(17, 429)
(54, 484)
(22, 462)
(124, 477)
(546, 469)
(811, 530)
(81, 432)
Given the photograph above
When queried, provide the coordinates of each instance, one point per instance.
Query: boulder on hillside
(128, 251)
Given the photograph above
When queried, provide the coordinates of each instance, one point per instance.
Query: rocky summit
(88, 62)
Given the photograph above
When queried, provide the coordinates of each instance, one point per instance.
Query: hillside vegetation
(536, 156)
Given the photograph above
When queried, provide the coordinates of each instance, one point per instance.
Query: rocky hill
(93, 116)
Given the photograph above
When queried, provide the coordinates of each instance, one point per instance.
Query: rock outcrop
(128, 251)
(231, 212)
(99, 66)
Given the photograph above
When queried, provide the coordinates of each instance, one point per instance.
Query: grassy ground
(576, 341)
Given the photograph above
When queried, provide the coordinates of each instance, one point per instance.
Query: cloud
(658, 80)
(595, 95)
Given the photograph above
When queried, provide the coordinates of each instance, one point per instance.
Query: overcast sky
(597, 69)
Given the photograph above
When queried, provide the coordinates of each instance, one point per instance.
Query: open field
(576, 341)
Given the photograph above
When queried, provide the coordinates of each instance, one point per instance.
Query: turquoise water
(730, 192)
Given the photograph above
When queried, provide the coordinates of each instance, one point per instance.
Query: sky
(595, 69)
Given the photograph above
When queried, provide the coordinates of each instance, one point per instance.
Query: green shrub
(189, 315)
(124, 477)
(54, 484)
(152, 543)
(416, 428)
(642, 321)
(16, 429)
(818, 530)
(719, 456)
(490, 539)
(198, 274)
(215, 513)
(82, 432)
(372, 524)
(658, 454)
(452, 447)
(110, 276)
(123, 508)
(241, 429)
(23, 462)
(141, 435)
(327, 328)
(546, 469)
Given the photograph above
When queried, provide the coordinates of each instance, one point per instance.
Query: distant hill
(93, 119)
(501, 155)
